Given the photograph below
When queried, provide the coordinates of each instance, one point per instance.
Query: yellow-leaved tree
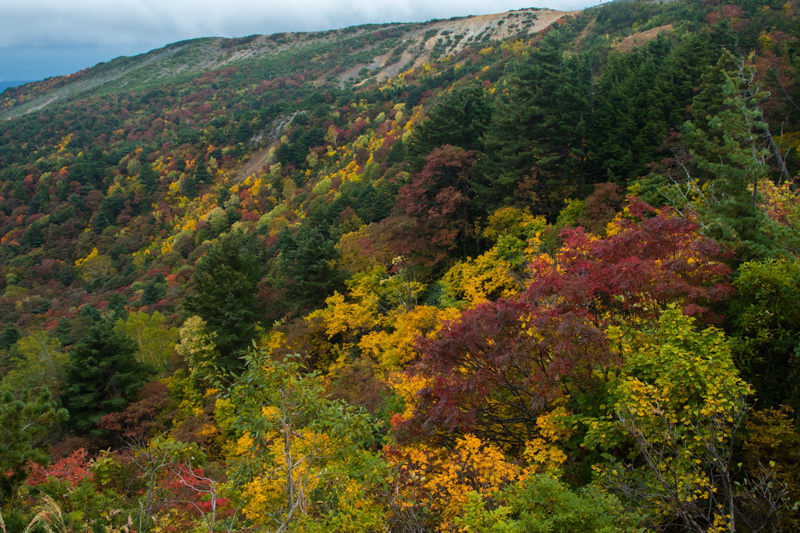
(154, 340)
(303, 458)
(441, 480)
(675, 410)
(373, 303)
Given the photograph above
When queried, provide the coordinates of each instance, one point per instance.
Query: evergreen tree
(225, 287)
(147, 175)
(201, 174)
(306, 264)
(11, 334)
(188, 186)
(25, 423)
(535, 144)
(154, 291)
(765, 322)
(728, 142)
(101, 376)
(637, 99)
(459, 119)
(88, 169)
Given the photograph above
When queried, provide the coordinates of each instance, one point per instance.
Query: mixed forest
(539, 282)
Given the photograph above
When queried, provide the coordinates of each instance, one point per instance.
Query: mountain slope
(411, 277)
(383, 50)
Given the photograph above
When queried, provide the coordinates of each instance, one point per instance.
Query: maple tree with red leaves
(189, 496)
(494, 368)
(432, 218)
(71, 470)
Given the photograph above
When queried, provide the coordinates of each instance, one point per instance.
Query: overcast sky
(42, 38)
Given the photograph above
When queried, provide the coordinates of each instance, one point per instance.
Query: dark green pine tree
(154, 291)
(729, 146)
(459, 119)
(638, 98)
(225, 286)
(536, 142)
(306, 266)
(10, 335)
(101, 376)
(683, 71)
(147, 175)
(633, 103)
(201, 174)
(88, 169)
(25, 422)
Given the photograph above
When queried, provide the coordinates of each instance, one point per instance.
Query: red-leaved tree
(431, 218)
(493, 370)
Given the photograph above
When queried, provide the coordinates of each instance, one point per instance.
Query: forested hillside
(529, 272)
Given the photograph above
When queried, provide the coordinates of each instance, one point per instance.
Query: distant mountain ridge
(383, 50)
(5, 84)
